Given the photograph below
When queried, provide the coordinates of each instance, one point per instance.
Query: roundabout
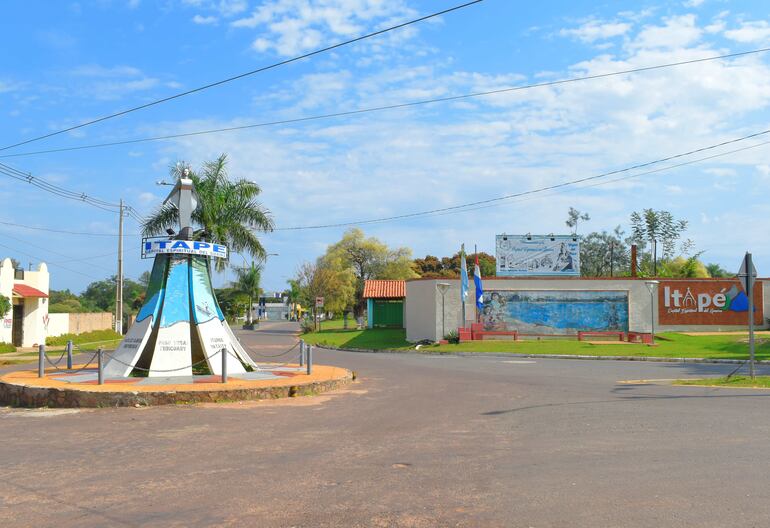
(59, 388)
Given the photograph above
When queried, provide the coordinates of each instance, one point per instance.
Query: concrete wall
(58, 324)
(423, 303)
(6, 289)
(80, 323)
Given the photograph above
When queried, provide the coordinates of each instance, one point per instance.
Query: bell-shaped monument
(180, 324)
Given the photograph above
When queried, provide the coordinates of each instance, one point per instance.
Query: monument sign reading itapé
(180, 323)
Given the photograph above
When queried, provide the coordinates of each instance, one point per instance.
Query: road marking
(518, 361)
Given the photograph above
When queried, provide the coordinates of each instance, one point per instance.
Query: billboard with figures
(533, 255)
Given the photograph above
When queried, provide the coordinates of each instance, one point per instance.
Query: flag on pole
(477, 282)
(463, 275)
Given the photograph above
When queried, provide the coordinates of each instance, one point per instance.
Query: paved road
(419, 441)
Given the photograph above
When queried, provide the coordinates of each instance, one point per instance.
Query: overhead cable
(245, 74)
(383, 107)
(461, 207)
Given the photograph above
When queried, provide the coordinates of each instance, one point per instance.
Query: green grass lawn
(89, 340)
(759, 382)
(669, 345)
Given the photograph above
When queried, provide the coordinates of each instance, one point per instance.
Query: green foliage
(452, 337)
(449, 267)
(603, 252)
(307, 325)
(5, 305)
(232, 302)
(683, 268)
(716, 271)
(228, 211)
(248, 283)
(94, 339)
(6, 348)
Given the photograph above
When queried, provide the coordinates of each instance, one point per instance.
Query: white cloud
(113, 82)
(95, 70)
(692, 3)
(594, 30)
(676, 32)
(205, 20)
(290, 27)
(750, 32)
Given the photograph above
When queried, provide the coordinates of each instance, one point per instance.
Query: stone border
(651, 359)
(28, 395)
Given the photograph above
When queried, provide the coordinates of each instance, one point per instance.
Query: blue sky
(74, 61)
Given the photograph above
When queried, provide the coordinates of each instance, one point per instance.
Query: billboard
(151, 248)
(555, 312)
(532, 255)
(707, 302)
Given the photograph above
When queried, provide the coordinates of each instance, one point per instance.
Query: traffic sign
(319, 302)
(747, 274)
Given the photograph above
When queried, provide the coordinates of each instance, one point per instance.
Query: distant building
(26, 323)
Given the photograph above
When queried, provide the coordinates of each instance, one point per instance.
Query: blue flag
(477, 282)
(463, 276)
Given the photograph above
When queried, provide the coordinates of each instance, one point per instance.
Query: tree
(603, 254)
(449, 267)
(574, 217)
(658, 227)
(248, 279)
(717, 271)
(232, 302)
(5, 305)
(325, 278)
(228, 211)
(367, 258)
(144, 279)
(684, 268)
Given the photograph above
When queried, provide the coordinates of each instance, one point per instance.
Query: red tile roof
(22, 290)
(384, 289)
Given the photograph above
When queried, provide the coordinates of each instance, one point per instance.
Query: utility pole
(119, 282)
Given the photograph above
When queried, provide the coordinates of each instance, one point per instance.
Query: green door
(389, 313)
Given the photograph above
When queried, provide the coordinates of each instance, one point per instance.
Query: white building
(25, 324)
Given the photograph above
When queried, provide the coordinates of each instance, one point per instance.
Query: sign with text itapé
(707, 302)
(151, 248)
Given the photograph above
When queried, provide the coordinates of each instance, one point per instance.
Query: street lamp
(442, 288)
(651, 284)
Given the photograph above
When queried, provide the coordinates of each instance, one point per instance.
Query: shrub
(7, 347)
(452, 337)
(88, 337)
(307, 325)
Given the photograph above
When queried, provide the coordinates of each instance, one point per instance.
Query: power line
(42, 260)
(461, 207)
(384, 107)
(6, 235)
(246, 74)
(64, 231)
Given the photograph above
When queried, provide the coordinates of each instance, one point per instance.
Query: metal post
(41, 361)
(301, 353)
(652, 315)
(309, 359)
(443, 317)
(750, 293)
(119, 285)
(224, 365)
(100, 354)
(69, 355)
(612, 259)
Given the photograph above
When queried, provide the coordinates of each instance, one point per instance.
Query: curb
(651, 359)
(19, 395)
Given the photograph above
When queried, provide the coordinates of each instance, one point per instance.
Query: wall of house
(6, 289)
(423, 303)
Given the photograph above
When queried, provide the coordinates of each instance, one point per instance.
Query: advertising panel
(533, 255)
(553, 312)
(151, 248)
(721, 302)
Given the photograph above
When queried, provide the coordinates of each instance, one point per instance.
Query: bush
(7, 347)
(307, 325)
(452, 337)
(88, 337)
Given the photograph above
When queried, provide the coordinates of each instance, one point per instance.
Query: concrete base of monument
(60, 388)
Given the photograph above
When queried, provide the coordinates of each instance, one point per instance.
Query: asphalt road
(417, 441)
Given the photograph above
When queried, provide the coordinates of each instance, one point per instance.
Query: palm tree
(248, 283)
(228, 211)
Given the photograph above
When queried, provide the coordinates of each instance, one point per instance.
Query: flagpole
(462, 297)
(476, 259)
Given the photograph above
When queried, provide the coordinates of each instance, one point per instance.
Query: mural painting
(555, 312)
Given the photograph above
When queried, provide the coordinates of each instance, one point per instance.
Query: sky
(70, 62)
